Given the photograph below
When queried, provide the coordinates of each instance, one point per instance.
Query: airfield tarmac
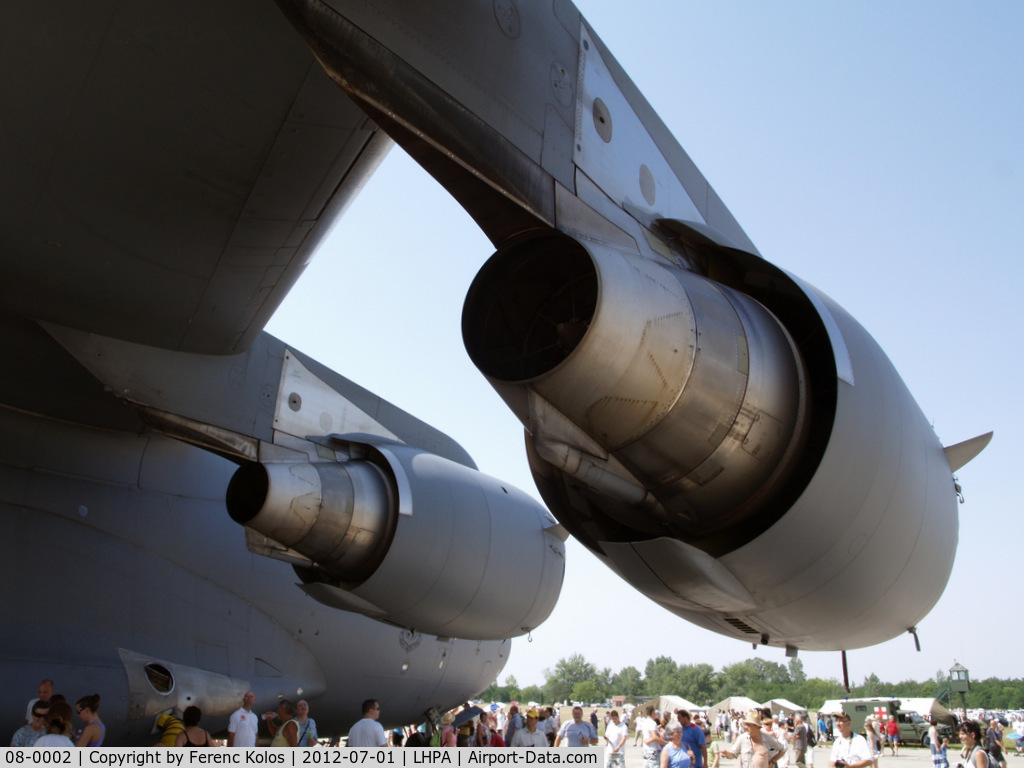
(909, 757)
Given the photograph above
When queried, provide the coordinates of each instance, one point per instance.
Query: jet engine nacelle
(736, 448)
(680, 386)
(408, 537)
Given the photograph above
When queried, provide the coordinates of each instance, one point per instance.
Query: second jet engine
(405, 536)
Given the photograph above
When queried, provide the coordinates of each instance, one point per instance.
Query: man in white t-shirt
(549, 725)
(849, 750)
(367, 732)
(244, 725)
(530, 736)
(615, 735)
(642, 721)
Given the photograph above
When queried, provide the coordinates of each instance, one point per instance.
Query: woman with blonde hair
(874, 739)
(287, 733)
(58, 727)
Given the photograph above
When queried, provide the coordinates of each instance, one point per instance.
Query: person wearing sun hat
(448, 736)
(756, 748)
(530, 736)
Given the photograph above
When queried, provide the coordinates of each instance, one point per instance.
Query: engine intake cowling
(667, 380)
(339, 515)
(408, 537)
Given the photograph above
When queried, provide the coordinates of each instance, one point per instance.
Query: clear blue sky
(876, 150)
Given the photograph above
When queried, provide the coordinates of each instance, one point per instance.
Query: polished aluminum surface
(338, 515)
(695, 389)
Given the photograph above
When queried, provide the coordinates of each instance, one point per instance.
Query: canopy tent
(832, 707)
(734, 703)
(784, 705)
(927, 708)
(672, 703)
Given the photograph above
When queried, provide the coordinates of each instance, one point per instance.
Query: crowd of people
(536, 727)
(758, 739)
(774, 741)
(49, 721)
(762, 739)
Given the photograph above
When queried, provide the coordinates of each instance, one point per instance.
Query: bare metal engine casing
(407, 537)
(736, 448)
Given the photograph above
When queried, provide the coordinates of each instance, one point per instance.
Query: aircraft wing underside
(168, 168)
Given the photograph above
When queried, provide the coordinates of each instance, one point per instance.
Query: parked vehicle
(913, 727)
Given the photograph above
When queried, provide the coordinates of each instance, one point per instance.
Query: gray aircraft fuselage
(121, 556)
(171, 171)
(194, 509)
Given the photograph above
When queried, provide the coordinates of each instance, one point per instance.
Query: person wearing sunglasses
(88, 712)
(58, 726)
(27, 735)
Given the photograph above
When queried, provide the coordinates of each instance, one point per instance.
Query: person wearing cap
(578, 732)
(530, 736)
(756, 748)
(849, 750)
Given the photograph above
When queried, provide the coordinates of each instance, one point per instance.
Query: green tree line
(576, 679)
